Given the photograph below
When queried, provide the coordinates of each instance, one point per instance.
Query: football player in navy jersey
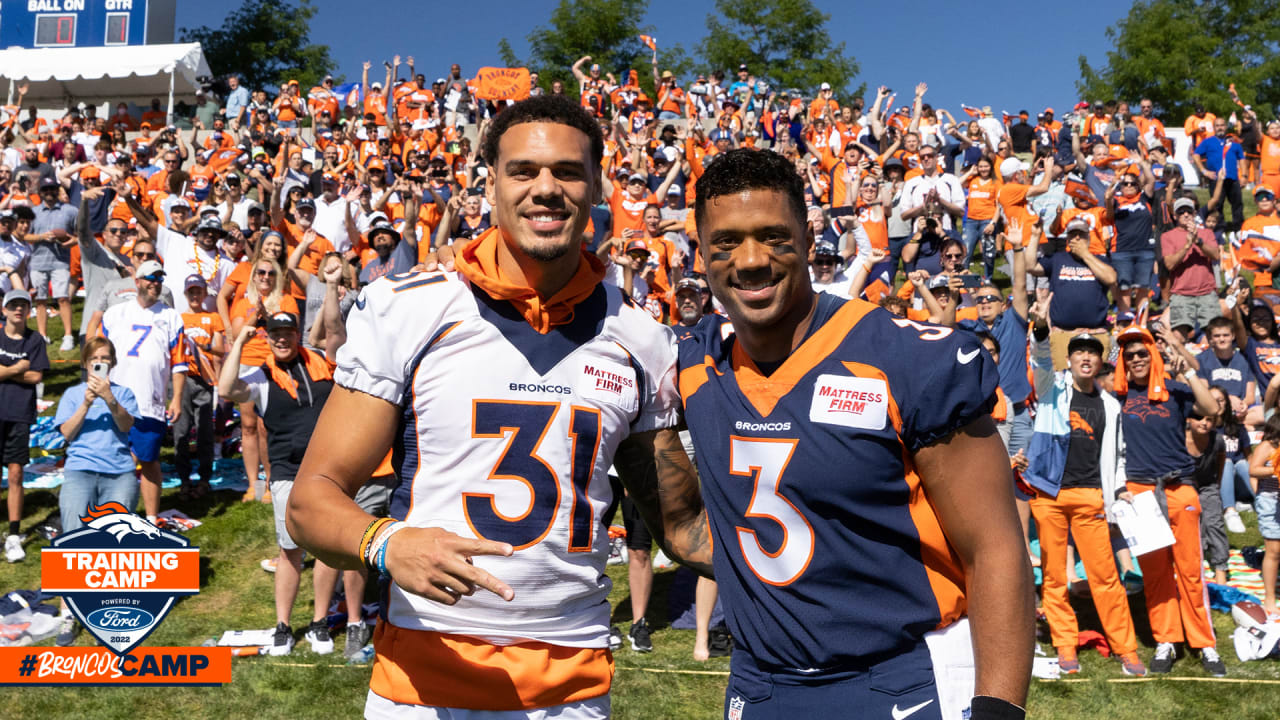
(859, 499)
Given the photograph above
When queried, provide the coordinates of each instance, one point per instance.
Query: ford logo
(120, 619)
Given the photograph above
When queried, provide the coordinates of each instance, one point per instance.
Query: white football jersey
(508, 435)
(149, 349)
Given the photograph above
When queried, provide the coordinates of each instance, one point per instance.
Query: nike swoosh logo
(900, 714)
(964, 358)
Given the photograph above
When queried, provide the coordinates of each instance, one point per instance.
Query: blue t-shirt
(1233, 375)
(1264, 360)
(1010, 330)
(1133, 221)
(1217, 152)
(1155, 433)
(1079, 300)
(100, 446)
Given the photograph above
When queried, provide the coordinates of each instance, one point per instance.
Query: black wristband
(985, 707)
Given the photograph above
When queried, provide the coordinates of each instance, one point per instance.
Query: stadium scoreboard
(85, 23)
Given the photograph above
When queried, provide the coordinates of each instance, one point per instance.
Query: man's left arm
(967, 480)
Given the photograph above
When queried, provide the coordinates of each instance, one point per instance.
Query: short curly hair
(543, 108)
(737, 171)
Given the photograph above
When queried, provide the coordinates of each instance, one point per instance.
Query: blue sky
(1012, 55)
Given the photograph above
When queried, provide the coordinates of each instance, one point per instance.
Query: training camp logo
(119, 574)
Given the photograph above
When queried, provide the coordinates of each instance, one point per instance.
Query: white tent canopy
(97, 75)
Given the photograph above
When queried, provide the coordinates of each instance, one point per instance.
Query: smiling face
(283, 343)
(542, 189)
(1137, 361)
(264, 277)
(755, 257)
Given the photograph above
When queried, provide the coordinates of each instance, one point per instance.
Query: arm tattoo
(664, 486)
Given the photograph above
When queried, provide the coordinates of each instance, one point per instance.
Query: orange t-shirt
(982, 197)
(628, 212)
(256, 350)
(285, 109)
(1270, 149)
(1013, 200)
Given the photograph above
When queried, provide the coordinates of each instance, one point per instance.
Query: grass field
(667, 683)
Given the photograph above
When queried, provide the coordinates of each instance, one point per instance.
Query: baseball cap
(939, 281)
(150, 270)
(16, 294)
(1263, 193)
(688, 284)
(637, 245)
(675, 190)
(1048, 111)
(1010, 166)
(211, 224)
(1079, 225)
(824, 86)
(382, 226)
(1181, 203)
(893, 162)
(825, 249)
(179, 204)
(1085, 341)
(742, 66)
(282, 320)
(305, 203)
(195, 280)
(1081, 105)
(375, 84)
(1155, 144)
(8, 214)
(47, 183)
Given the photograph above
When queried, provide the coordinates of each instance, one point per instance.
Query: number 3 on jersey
(525, 425)
(766, 461)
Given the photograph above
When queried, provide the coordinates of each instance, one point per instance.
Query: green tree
(267, 43)
(783, 42)
(1180, 52)
(607, 30)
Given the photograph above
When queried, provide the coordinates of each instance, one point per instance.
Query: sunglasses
(264, 273)
(953, 256)
(824, 263)
(113, 230)
(925, 156)
(145, 256)
(984, 299)
(1137, 355)
(1128, 184)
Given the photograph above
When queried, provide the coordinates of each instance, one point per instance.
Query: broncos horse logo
(1079, 423)
(115, 519)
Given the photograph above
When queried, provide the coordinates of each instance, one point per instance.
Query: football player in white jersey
(505, 391)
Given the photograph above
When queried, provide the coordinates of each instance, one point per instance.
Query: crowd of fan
(250, 226)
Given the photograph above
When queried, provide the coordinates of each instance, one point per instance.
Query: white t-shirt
(183, 256)
(149, 349)
(12, 254)
(329, 222)
(948, 187)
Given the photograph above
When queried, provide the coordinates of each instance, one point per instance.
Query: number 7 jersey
(827, 551)
(508, 435)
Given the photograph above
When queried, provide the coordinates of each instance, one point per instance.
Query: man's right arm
(663, 484)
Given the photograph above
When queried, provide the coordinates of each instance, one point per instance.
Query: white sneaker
(318, 635)
(1244, 507)
(13, 551)
(1233, 521)
(68, 343)
(661, 561)
(281, 641)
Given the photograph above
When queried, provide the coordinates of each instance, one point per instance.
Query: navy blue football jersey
(826, 548)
